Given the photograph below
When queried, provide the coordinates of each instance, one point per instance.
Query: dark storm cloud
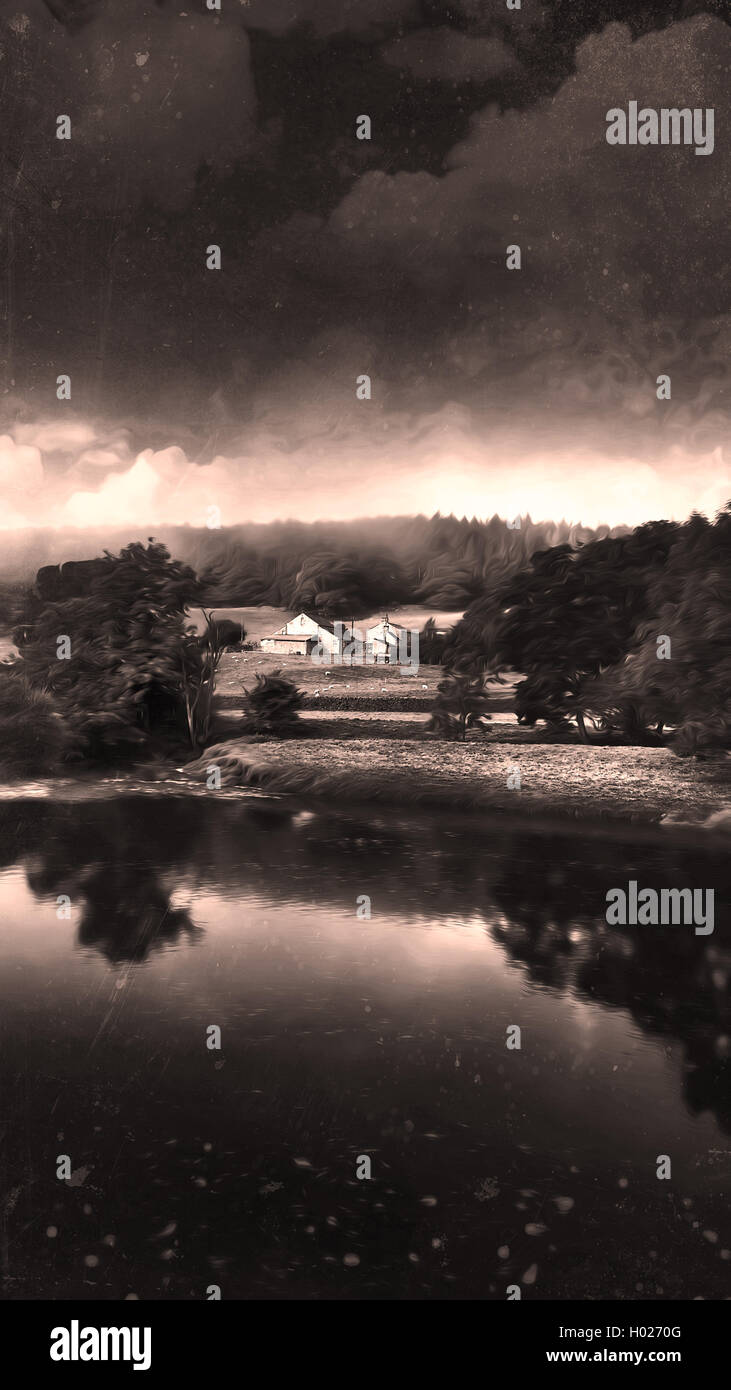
(149, 100)
(614, 231)
(623, 274)
(342, 257)
(325, 16)
(446, 54)
(328, 16)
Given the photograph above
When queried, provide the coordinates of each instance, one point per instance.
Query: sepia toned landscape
(365, 660)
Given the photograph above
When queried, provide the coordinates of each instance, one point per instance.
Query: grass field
(240, 669)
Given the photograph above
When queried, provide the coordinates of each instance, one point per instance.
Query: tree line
(333, 569)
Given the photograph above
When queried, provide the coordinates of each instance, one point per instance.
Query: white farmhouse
(301, 636)
(382, 642)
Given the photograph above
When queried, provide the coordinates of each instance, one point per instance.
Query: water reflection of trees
(115, 879)
(126, 920)
(541, 896)
(673, 983)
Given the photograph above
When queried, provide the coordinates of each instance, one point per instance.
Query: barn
(301, 636)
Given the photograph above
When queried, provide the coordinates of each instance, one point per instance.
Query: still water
(347, 1037)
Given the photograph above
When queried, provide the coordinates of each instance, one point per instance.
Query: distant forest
(337, 569)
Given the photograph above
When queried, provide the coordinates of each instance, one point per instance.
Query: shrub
(272, 706)
(34, 738)
(461, 701)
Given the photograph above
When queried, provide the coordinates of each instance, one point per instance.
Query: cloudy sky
(492, 390)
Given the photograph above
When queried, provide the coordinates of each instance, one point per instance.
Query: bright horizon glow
(71, 475)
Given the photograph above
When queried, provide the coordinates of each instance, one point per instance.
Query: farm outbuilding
(301, 636)
(382, 642)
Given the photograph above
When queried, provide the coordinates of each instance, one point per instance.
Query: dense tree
(677, 670)
(563, 617)
(224, 631)
(119, 662)
(629, 634)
